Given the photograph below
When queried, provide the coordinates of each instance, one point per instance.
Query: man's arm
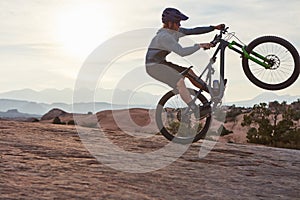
(200, 30)
(197, 30)
(171, 45)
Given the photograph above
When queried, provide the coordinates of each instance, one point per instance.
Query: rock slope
(46, 161)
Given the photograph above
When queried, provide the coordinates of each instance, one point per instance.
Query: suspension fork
(259, 59)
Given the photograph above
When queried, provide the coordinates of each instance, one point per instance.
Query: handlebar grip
(223, 26)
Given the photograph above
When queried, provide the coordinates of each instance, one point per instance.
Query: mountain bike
(269, 62)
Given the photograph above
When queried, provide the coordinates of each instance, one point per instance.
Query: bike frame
(209, 70)
(241, 49)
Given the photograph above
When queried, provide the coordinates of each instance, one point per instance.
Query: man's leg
(197, 82)
(183, 91)
(186, 97)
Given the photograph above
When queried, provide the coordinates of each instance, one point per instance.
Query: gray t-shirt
(166, 41)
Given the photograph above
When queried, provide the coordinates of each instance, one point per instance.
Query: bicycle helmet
(172, 15)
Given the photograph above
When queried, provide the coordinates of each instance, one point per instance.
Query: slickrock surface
(45, 161)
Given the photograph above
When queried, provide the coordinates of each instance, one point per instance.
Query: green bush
(270, 131)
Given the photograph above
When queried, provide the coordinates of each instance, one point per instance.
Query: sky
(44, 44)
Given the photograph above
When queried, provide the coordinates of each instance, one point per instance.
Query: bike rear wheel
(282, 56)
(177, 126)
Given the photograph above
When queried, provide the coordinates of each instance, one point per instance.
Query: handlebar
(218, 37)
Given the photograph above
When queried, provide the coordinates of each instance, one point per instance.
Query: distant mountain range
(42, 108)
(40, 102)
(51, 96)
(265, 97)
(15, 114)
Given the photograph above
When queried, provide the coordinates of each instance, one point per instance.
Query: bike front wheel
(178, 126)
(280, 55)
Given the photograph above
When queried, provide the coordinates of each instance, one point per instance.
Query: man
(165, 42)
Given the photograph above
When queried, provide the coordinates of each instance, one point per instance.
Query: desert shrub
(233, 113)
(275, 133)
(291, 139)
(252, 135)
(220, 132)
(224, 131)
(220, 115)
(174, 127)
(71, 122)
(35, 120)
(56, 120)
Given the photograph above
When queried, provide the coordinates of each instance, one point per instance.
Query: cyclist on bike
(165, 42)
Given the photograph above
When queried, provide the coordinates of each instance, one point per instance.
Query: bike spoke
(177, 122)
(282, 69)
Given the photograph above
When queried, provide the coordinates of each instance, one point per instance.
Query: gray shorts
(165, 72)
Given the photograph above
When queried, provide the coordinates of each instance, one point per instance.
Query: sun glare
(82, 28)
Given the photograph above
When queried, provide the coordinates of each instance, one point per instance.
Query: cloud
(29, 49)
